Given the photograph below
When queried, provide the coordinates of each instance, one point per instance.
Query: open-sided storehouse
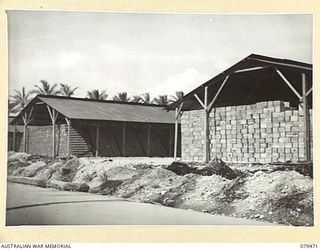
(64, 126)
(258, 110)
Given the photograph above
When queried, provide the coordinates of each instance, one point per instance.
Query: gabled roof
(87, 109)
(253, 79)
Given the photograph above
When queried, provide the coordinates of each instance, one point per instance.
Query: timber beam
(289, 84)
(53, 115)
(97, 138)
(178, 113)
(124, 132)
(68, 121)
(26, 117)
(306, 121)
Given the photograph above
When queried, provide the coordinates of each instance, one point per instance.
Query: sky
(159, 53)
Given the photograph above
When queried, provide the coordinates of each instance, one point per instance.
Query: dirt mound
(68, 171)
(17, 156)
(15, 168)
(107, 187)
(215, 167)
(219, 167)
(121, 173)
(68, 186)
(284, 196)
(273, 193)
(181, 168)
(202, 192)
(302, 168)
(33, 169)
(149, 185)
(47, 172)
(101, 174)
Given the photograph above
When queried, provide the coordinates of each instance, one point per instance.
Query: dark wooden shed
(64, 126)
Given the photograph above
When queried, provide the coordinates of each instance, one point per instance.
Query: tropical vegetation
(122, 97)
(21, 98)
(97, 95)
(46, 89)
(67, 90)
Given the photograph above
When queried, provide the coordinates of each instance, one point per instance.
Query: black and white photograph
(146, 118)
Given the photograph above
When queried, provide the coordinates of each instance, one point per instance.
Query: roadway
(30, 205)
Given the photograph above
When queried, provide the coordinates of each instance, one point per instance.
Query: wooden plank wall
(82, 140)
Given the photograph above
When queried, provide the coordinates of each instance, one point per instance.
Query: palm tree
(161, 100)
(179, 95)
(146, 98)
(96, 95)
(136, 99)
(67, 90)
(12, 108)
(20, 99)
(122, 96)
(46, 89)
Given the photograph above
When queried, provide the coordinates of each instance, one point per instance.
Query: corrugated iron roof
(87, 109)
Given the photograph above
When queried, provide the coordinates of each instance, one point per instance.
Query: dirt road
(30, 205)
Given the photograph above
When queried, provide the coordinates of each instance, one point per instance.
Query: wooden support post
(206, 126)
(176, 129)
(206, 109)
(25, 138)
(176, 124)
(149, 140)
(14, 137)
(124, 139)
(306, 124)
(97, 139)
(207, 138)
(26, 120)
(25, 124)
(53, 134)
(68, 121)
(53, 115)
(170, 142)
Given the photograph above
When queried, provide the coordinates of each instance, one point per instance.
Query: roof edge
(93, 100)
(282, 62)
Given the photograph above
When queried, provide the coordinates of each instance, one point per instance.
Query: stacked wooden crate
(192, 135)
(263, 132)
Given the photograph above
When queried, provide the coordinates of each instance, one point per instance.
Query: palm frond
(96, 95)
(45, 89)
(179, 95)
(136, 99)
(161, 100)
(21, 98)
(66, 90)
(146, 98)
(122, 96)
